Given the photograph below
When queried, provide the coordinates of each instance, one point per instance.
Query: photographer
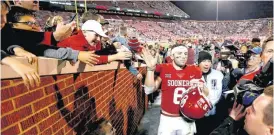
(258, 118)
(262, 76)
(250, 66)
(224, 65)
(253, 64)
(265, 77)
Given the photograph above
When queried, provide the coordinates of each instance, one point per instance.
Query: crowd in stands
(148, 29)
(100, 40)
(165, 7)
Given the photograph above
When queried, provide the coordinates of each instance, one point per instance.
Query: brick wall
(65, 104)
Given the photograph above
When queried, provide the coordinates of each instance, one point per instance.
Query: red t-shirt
(79, 42)
(76, 42)
(174, 84)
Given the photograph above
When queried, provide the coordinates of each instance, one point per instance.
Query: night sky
(228, 10)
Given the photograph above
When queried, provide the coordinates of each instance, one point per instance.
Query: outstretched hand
(148, 58)
(63, 31)
(29, 75)
(18, 51)
(88, 57)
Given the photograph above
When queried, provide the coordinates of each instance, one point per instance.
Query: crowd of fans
(233, 50)
(148, 29)
(165, 7)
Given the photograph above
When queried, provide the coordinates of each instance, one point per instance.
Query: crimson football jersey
(174, 84)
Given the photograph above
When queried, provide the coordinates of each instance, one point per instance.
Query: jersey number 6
(178, 94)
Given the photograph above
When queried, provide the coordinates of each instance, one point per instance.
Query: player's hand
(205, 90)
(88, 57)
(199, 83)
(149, 59)
(237, 112)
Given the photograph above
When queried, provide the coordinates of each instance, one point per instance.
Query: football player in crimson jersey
(175, 78)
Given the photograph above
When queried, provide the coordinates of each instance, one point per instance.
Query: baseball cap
(256, 50)
(95, 26)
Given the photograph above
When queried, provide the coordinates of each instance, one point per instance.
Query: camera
(242, 58)
(265, 77)
(246, 91)
(207, 47)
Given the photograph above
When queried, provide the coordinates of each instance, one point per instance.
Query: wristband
(151, 69)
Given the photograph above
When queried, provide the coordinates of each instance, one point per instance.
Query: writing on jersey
(174, 84)
(178, 82)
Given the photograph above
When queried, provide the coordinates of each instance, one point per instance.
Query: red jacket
(49, 39)
(79, 42)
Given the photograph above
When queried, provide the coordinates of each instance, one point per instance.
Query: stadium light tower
(217, 15)
(217, 10)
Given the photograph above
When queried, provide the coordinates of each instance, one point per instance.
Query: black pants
(206, 125)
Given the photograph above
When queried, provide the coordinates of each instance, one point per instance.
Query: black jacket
(31, 41)
(9, 41)
(226, 128)
(230, 127)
